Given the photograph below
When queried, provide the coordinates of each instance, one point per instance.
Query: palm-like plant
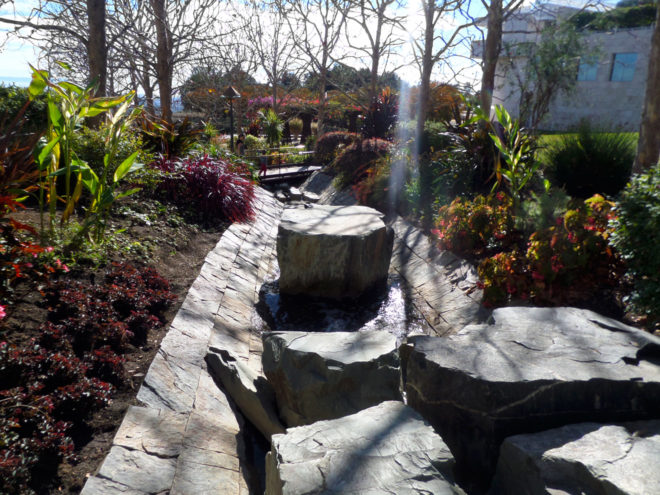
(272, 127)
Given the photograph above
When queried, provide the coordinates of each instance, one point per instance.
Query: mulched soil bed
(155, 236)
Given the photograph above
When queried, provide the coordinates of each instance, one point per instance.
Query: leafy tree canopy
(628, 14)
(346, 78)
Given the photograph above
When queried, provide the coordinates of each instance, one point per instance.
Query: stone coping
(186, 437)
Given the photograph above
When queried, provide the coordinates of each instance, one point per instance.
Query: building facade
(610, 81)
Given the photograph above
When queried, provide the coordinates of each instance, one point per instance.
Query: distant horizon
(21, 81)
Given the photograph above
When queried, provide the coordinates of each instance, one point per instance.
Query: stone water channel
(478, 386)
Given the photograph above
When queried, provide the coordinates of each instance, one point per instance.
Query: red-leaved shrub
(331, 143)
(216, 189)
(59, 378)
(120, 311)
(563, 265)
(42, 391)
(474, 228)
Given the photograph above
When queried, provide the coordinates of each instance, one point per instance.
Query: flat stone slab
(332, 251)
(135, 469)
(531, 369)
(582, 458)
(387, 448)
(328, 375)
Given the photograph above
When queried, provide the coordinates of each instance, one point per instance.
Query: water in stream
(389, 309)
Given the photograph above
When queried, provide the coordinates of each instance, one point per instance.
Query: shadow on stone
(252, 446)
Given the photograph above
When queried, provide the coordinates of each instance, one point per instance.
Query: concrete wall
(605, 103)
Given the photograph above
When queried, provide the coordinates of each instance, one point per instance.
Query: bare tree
(379, 37)
(164, 56)
(648, 149)
(86, 28)
(318, 24)
(266, 31)
(498, 12)
(441, 35)
(148, 43)
(436, 44)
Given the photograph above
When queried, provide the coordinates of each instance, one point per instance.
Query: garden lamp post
(231, 93)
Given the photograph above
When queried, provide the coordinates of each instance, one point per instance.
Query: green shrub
(12, 99)
(295, 126)
(589, 163)
(354, 161)
(542, 209)
(310, 142)
(254, 143)
(169, 139)
(90, 146)
(637, 237)
(380, 188)
(331, 143)
(272, 126)
(435, 137)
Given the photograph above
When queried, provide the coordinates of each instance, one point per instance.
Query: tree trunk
(491, 53)
(307, 127)
(648, 149)
(424, 92)
(375, 56)
(97, 51)
(148, 91)
(163, 58)
(352, 121)
(323, 80)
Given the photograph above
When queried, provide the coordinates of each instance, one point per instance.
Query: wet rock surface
(387, 448)
(531, 369)
(320, 376)
(582, 458)
(332, 251)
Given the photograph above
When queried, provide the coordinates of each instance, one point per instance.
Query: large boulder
(582, 458)
(530, 370)
(333, 251)
(329, 375)
(387, 448)
(251, 392)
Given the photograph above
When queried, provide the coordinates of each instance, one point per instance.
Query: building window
(623, 66)
(587, 70)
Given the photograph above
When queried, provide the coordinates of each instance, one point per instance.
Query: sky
(15, 54)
